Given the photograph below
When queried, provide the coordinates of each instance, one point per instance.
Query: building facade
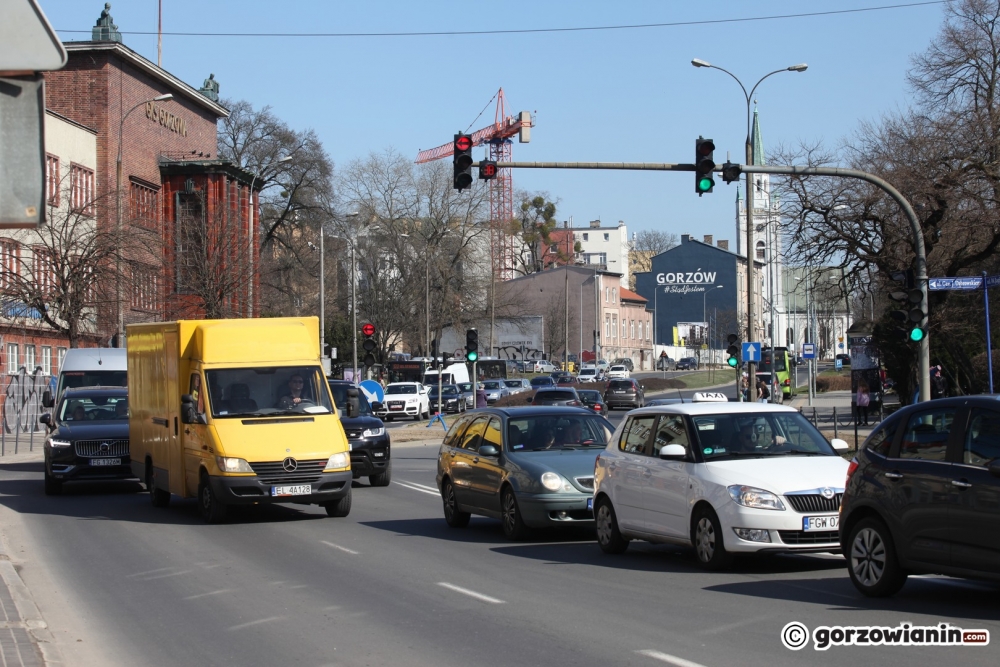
(604, 248)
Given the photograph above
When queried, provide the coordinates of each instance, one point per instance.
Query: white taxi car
(721, 477)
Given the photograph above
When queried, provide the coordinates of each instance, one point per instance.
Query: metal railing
(22, 405)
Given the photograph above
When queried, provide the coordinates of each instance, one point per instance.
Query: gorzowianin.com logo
(796, 636)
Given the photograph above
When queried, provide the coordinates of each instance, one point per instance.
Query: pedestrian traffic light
(368, 344)
(487, 170)
(704, 163)
(733, 351)
(463, 161)
(471, 345)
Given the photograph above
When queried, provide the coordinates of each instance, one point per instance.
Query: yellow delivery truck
(235, 412)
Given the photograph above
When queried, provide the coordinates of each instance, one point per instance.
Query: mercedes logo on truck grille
(289, 464)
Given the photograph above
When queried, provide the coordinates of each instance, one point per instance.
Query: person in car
(546, 438)
(572, 434)
(121, 410)
(294, 395)
(747, 440)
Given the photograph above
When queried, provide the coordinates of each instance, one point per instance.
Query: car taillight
(573, 403)
(787, 382)
(851, 467)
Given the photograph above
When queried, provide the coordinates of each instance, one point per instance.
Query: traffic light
(704, 163)
(471, 345)
(463, 161)
(733, 351)
(910, 314)
(368, 345)
(731, 172)
(487, 170)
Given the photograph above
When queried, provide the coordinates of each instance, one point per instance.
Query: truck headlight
(338, 460)
(230, 464)
(373, 432)
(59, 443)
(750, 496)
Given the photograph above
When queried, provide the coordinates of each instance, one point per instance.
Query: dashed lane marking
(669, 659)
(205, 595)
(344, 549)
(249, 624)
(471, 594)
(417, 487)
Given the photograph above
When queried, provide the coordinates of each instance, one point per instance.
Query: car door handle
(475, 460)
(961, 483)
(893, 475)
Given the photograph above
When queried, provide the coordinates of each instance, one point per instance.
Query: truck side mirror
(353, 404)
(187, 409)
(47, 400)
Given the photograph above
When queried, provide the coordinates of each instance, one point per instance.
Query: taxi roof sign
(709, 397)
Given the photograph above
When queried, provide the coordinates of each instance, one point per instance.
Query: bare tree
(644, 246)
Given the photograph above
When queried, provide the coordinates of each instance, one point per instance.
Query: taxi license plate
(590, 503)
(300, 490)
(105, 462)
(811, 523)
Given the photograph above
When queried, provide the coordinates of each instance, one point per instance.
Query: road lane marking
(471, 594)
(344, 549)
(669, 659)
(205, 595)
(253, 623)
(432, 489)
(167, 574)
(162, 569)
(413, 487)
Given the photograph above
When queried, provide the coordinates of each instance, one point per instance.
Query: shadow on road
(480, 530)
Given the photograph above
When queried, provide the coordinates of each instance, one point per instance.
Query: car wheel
(453, 516)
(53, 486)
(212, 511)
(383, 478)
(706, 535)
(872, 560)
(158, 497)
(341, 507)
(510, 515)
(609, 538)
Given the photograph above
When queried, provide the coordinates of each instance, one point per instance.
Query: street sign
(838, 364)
(373, 391)
(964, 283)
(808, 350)
(751, 352)
(840, 345)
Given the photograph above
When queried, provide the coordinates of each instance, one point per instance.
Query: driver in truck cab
(294, 395)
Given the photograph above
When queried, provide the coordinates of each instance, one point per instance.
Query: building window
(144, 209)
(640, 329)
(60, 357)
(631, 333)
(46, 360)
(29, 358)
(760, 250)
(43, 269)
(607, 237)
(12, 358)
(190, 239)
(607, 295)
(614, 296)
(607, 327)
(52, 180)
(9, 253)
(614, 326)
(553, 249)
(649, 331)
(81, 193)
(145, 287)
(586, 236)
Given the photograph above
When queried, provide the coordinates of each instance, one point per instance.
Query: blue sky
(612, 95)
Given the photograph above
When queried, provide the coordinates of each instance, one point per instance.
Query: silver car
(517, 386)
(495, 390)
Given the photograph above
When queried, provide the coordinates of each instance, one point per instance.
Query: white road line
(344, 549)
(407, 485)
(253, 623)
(669, 659)
(471, 594)
(432, 489)
(168, 574)
(162, 569)
(205, 595)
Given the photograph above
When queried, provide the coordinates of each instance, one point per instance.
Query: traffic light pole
(792, 170)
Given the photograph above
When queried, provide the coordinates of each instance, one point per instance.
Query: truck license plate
(105, 462)
(810, 523)
(299, 490)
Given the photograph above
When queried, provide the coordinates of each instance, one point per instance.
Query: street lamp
(250, 228)
(749, 160)
(704, 296)
(120, 335)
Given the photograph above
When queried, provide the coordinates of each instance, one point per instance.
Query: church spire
(756, 142)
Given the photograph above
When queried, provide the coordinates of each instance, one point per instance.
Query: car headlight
(373, 432)
(750, 496)
(59, 443)
(554, 482)
(229, 464)
(339, 460)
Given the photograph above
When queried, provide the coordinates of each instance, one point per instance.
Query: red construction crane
(498, 136)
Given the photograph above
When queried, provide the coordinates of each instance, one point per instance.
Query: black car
(921, 496)
(625, 393)
(452, 399)
(592, 399)
(542, 381)
(845, 359)
(686, 364)
(370, 451)
(88, 437)
(557, 396)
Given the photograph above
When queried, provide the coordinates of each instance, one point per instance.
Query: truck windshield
(242, 392)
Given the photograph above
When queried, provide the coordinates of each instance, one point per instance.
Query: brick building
(188, 215)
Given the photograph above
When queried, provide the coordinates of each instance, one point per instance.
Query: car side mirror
(353, 403)
(489, 450)
(47, 400)
(45, 419)
(673, 453)
(995, 468)
(839, 445)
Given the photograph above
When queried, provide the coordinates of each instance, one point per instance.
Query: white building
(604, 248)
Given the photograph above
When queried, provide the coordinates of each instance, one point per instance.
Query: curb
(30, 620)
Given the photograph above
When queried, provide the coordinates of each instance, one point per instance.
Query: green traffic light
(705, 184)
(472, 356)
(917, 334)
(733, 362)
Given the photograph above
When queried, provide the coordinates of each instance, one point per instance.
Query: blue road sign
(373, 391)
(751, 352)
(808, 350)
(839, 364)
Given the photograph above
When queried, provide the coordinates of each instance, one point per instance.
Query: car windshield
(589, 396)
(754, 435)
(447, 390)
(588, 371)
(513, 384)
(617, 368)
(621, 384)
(465, 386)
(339, 392)
(491, 384)
(83, 408)
(555, 396)
(401, 389)
(540, 381)
(259, 392)
(548, 432)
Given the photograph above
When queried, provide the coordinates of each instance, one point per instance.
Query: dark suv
(557, 396)
(625, 393)
(686, 364)
(370, 453)
(921, 496)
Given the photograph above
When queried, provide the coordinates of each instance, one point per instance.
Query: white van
(89, 367)
(452, 374)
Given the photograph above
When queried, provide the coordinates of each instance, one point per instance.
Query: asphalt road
(121, 582)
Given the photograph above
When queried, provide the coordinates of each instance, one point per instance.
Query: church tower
(767, 239)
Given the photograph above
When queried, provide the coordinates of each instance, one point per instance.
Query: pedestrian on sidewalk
(763, 393)
(939, 386)
(863, 400)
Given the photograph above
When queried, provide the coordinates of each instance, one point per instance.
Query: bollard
(855, 435)
(815, 420)
(836, 432)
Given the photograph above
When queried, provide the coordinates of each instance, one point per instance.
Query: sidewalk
(25, 639)
(830, 406)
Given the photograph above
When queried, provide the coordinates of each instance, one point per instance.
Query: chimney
(565, 224)
(685, 238)
(708, 239)
(724, 245)
(595, 224)
(621, 223)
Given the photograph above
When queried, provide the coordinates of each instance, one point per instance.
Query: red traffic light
(368, 329)
(463, 143)
(487, 169)
(705, 147)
